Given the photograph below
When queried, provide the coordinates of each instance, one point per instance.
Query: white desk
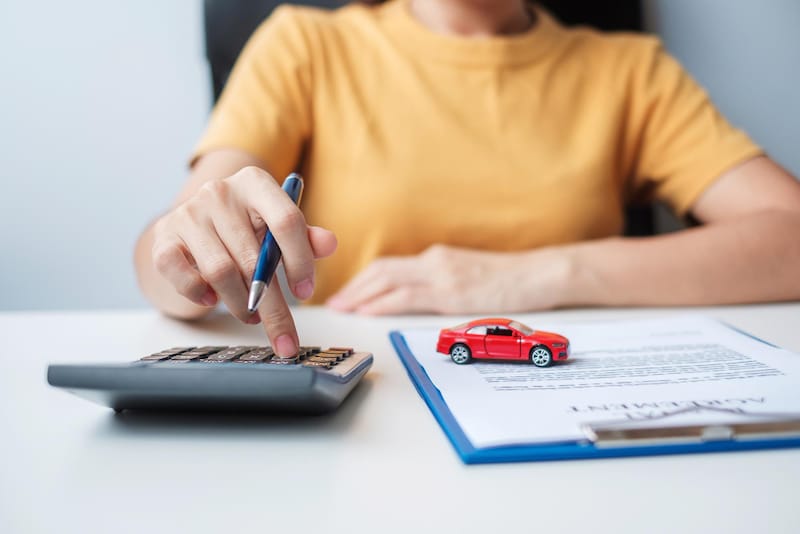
(381, 463)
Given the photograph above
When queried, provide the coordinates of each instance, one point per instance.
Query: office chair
(229, 23)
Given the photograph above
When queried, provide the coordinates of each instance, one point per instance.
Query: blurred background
(102, 102)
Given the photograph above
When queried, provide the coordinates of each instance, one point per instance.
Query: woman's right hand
(208, 245)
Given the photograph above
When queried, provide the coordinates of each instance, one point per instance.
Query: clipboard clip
(641, 432)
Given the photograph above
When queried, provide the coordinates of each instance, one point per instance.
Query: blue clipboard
(573, 450)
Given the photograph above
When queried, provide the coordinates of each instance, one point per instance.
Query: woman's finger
(218, 268)
(236, 233)
(286, 223)
(171, 259)
(323, 241)
(278, 321)
(404, 299)
(379, 277)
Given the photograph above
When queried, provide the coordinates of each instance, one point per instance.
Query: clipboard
(609, 440)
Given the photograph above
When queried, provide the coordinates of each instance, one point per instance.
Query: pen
(270, 253)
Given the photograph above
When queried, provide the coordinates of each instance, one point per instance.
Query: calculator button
(284, 361)
(155, 357)
(311, 363)
(187, 356)
(234, 351)
(255, 356)
(305, 352)
(226, 354)
(317, 358)
(176, 350)
(309, 356)
(328, 356)
(338, 356)
(209, 350)
(165, 353)
(216, 358)
(197, 353)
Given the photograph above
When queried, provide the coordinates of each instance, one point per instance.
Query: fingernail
(285, 346)
(254, 319)
(209, 298)
(304, 289)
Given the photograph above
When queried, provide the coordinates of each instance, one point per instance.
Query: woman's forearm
(751, 259)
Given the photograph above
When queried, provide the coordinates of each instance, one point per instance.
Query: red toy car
(502, 339)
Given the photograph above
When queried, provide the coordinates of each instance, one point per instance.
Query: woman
(470, 156)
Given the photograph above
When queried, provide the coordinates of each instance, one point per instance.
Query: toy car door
(502, 343)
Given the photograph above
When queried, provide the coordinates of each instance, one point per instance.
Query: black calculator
(229, 378)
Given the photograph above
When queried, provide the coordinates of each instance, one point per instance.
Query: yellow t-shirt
(408, 138)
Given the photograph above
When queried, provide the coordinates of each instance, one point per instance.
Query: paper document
(617, 371)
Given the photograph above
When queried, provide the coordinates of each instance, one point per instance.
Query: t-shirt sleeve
(681, 143)
(265, 106)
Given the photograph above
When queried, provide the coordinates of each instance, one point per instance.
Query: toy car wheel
(541, 356)
(460, 354)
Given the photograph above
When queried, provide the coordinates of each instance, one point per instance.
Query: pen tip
(256, 292)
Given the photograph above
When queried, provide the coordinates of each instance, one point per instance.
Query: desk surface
(381, 463)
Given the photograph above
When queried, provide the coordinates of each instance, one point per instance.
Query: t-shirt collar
(472, 51)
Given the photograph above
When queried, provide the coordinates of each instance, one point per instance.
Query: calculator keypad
(306, 356)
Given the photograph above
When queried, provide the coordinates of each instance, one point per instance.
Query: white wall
(100, 103)
(747, 55)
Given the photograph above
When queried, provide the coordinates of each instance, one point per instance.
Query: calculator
(228, 378)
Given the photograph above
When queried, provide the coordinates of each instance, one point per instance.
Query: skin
(204, 249)
(473, 18)
(747, 250)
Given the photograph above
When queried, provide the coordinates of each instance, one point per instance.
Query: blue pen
(270, 253)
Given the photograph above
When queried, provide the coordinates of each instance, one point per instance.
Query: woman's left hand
(450, 280)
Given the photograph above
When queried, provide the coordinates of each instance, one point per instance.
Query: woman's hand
(452, 280)
(207, 248)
